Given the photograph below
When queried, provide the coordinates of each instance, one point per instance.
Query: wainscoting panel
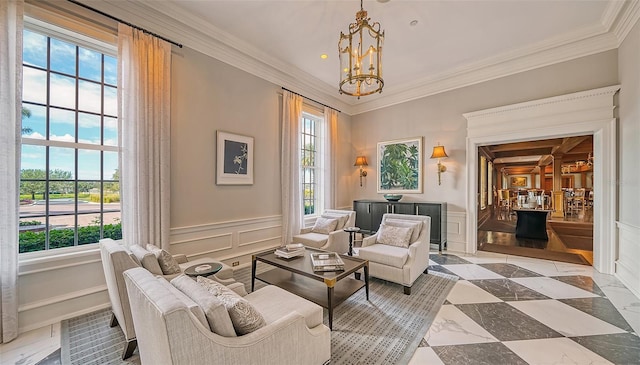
(627, 268)
(456, 231)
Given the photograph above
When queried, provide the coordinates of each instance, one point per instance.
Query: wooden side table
(352, 235)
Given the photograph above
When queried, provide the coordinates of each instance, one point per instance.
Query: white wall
(627, 268)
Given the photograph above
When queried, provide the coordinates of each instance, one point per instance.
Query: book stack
(329, 261)
(291, 250)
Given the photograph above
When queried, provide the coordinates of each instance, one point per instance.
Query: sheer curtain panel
(329, 163)
(10, 126)
(290, 166)
(144, 99)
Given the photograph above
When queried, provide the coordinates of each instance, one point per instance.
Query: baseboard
(61, 318)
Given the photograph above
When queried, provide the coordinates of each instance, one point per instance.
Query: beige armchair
(388, 257)
(335, 240)
(116, 259)
(170, 333)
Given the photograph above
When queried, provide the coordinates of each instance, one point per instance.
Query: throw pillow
(325, 225)
(168, 264)
(416, 227)
(342, 219)
(191, 305)
(244, 316)
(214, 310)
(394, 236)
(147, 259)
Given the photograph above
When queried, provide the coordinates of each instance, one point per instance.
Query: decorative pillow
(244, 316)
(342, 219)
(214, 310)
(416, 227)
(168, 264)
(325, 225)
(394, 236)
(188, 302)
(147, 259)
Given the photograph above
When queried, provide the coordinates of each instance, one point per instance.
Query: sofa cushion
(192, 305)
(286, 302)
(215, 312)
(147, 259)
(244, 316)
(312, 239)
(415, 226)
(394, 236)
(342, 219)
(168, 264)
(325, 225)
(385, 254)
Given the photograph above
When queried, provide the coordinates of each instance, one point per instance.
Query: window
(310, 136)
(69, 178)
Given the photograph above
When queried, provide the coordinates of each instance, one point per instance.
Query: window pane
(61, 163)
(88, 225)
(89, 97)
(62, 208)
(110, 70)
(34, 85)
(110, 101)
(90, 63)
(62, 125)
(63, 91)
(63, 57)
(88, 128)
(110, 131)
(89, 191)
(34, 121)
(111, 171)
(34, 49)
(33, 158)
(88, 165)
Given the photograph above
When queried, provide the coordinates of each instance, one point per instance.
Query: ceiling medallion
(360, 54)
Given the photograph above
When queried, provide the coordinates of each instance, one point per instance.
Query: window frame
(317, 117)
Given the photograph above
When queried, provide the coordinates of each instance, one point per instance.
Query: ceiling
(453, 44)
(529, 157)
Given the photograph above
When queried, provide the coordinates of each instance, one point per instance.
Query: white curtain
(329, 163)
(144, 98)
(290, 166)
(10, 126)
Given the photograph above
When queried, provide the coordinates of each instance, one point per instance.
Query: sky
(62, 94)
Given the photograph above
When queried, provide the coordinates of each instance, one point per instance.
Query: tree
(38, 186)
(26, 113)
(113, 186)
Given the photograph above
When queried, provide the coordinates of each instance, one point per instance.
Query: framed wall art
(519, 181)
(234, 159)
(400, 166)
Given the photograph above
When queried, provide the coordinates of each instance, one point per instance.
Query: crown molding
(168, 19)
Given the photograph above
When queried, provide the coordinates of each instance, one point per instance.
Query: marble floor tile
(542, 267)
(553, 288)
(555, 351)
(621, 348)
(440, 268)
(582, 282)
(431, 262)
(506, 323)
(425, 355)
(472, 272)
(482, 257)
(625, 301)
(565, 268)
(478, 354)
(446, 259)
(564, 318)
(600, 308)
(452, 327)
(507, 289)
(465, 292)
(509, 270)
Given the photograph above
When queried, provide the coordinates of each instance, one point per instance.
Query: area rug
(387, 329)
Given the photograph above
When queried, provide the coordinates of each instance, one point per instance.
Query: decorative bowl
(392, 197)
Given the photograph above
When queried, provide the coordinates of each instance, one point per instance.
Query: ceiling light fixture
(360, 54)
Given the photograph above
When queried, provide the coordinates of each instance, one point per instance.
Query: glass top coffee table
(327, 289)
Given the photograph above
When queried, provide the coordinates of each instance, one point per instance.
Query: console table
(369, 215)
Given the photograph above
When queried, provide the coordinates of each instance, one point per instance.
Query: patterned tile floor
(514, 310)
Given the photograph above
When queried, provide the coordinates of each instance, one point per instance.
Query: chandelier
(360, 54)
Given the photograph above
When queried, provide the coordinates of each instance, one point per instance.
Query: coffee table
(327, 289)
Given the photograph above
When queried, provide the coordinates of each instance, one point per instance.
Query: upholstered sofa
(336, 239)
(389, 259)
(171, 330)
(116, 258)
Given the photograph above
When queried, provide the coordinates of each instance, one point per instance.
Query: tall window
(69, 178)
(310, 169)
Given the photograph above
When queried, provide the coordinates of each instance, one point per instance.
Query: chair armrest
(306, 230)
(368, 241)
(238, 288)
(180, 258)
(338, 241)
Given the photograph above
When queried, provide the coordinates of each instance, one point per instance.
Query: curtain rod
(124, 22)
(315, 101)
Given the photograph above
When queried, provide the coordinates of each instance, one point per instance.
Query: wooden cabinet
(369, 215)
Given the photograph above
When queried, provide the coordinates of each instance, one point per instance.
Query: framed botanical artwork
(234, 159)
(400, 166)
(519, 181)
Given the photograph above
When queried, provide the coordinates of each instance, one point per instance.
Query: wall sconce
(361, 161)
(438, 152)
